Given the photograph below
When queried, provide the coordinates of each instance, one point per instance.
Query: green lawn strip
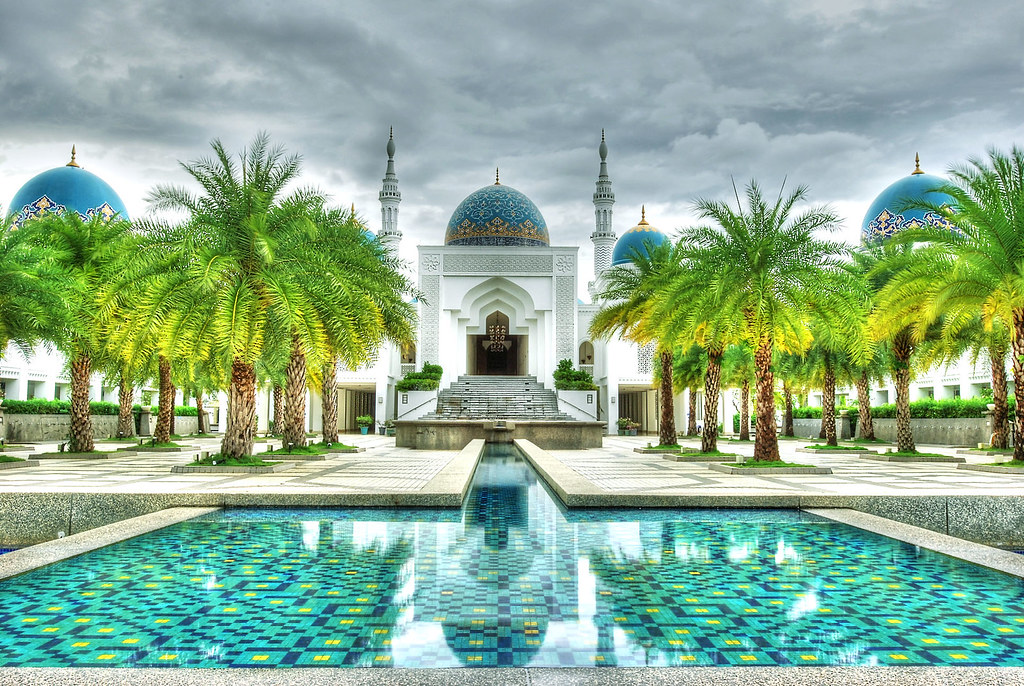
(737, 440)
(334, 446)
(769, 465)
(670, 446)
(10, 458)
(912, 454)
(710, 453)
(866, 441)
(311, 449)
(219, 461)
(166, 444)
(1012, 464)
(840, 448)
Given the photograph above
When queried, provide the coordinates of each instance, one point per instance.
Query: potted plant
(625, 425)
(364, 421)
(632, 428)
(389, 427)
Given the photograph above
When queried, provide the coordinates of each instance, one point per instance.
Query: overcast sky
(837, 96)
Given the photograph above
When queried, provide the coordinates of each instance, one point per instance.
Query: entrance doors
(497, 352)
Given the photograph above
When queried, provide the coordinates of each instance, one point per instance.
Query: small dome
(497, 215)
(636, 240)
(886, 216)
(68, 188)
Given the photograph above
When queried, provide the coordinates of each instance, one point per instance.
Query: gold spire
(72, 163)
(643, 216)
(497, 181)
(353, 209)
(917, 165)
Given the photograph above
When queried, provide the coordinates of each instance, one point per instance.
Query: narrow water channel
(513, 579)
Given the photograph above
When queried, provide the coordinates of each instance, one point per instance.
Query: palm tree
(30, 282)
(764, 269)
(980, 265)
(688, 367)
(216, 287)
(737, 371)
(91, 253)
(631, 299)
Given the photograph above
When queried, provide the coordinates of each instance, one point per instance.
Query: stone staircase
(515, 398)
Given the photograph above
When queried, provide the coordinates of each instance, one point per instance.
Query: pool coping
(968, 551)
(523, 676)
(42, 554)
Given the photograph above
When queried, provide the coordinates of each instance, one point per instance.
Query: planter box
(767, 471)
(910, 458)
(77, 456)
(683, 457)
(218, 469)
(992, 468)
(655, 451)
(15, 465)
(853, 451)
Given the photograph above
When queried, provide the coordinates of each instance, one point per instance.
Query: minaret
(390, 198)
(604, 235)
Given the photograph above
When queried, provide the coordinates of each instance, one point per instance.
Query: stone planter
(16, 465)
(225, 469)
(767, 471)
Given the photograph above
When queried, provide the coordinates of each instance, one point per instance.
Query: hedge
(919, 409)
(427, 380)
(569, 379)
(40, 406)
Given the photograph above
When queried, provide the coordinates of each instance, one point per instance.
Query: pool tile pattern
(511, 580)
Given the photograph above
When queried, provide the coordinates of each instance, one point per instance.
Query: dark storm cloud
(839, 97)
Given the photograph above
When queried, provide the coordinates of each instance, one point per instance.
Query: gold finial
(643, 216)
(917, 165)
(72, 163)
(497, 181)
(353, 209)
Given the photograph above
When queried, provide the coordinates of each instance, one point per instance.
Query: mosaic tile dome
(886, 216)
(636, 240)
(68, 188)
(497, 215)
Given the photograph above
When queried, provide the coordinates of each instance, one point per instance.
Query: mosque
(499, 298)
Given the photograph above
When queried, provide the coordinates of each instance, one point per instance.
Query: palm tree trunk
(81, 438)
(901, 352)
(278, 410)
(1000, 428)
(745, 411)
(329, 397)
(295, 397)
(174, 391)
(866, 427)
(125, 396)
(162, 434)
(787, 421)
(241, 420)
(201, 413)
(667, 425)
(828, 402)
(1017, 346)
(709, 437)
(691, 411)
(766, 442)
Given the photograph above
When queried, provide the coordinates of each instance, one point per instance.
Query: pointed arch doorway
(497, 352)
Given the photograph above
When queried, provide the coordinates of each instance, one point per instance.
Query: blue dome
(497, 215)
(636, 240)
(886, 216)
(63, 189)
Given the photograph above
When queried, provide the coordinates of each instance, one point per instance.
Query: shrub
(364, 420)
(179, 410)
(921, 409)
(427, 380)
(569, 379)
(40, 406)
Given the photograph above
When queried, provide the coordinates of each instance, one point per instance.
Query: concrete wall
(939, 431)
(39, 428)
(454, 435)
(953, 431)
(415, 404)
(574, 404)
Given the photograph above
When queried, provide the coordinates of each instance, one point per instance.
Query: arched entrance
(496, 352)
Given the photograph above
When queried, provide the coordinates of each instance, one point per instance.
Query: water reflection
(511, 580)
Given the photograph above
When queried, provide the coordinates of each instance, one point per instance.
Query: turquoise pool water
(511, 580)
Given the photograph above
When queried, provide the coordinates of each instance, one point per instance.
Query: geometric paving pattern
(511, 580)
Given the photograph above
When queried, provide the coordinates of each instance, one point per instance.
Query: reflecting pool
(512, 579)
